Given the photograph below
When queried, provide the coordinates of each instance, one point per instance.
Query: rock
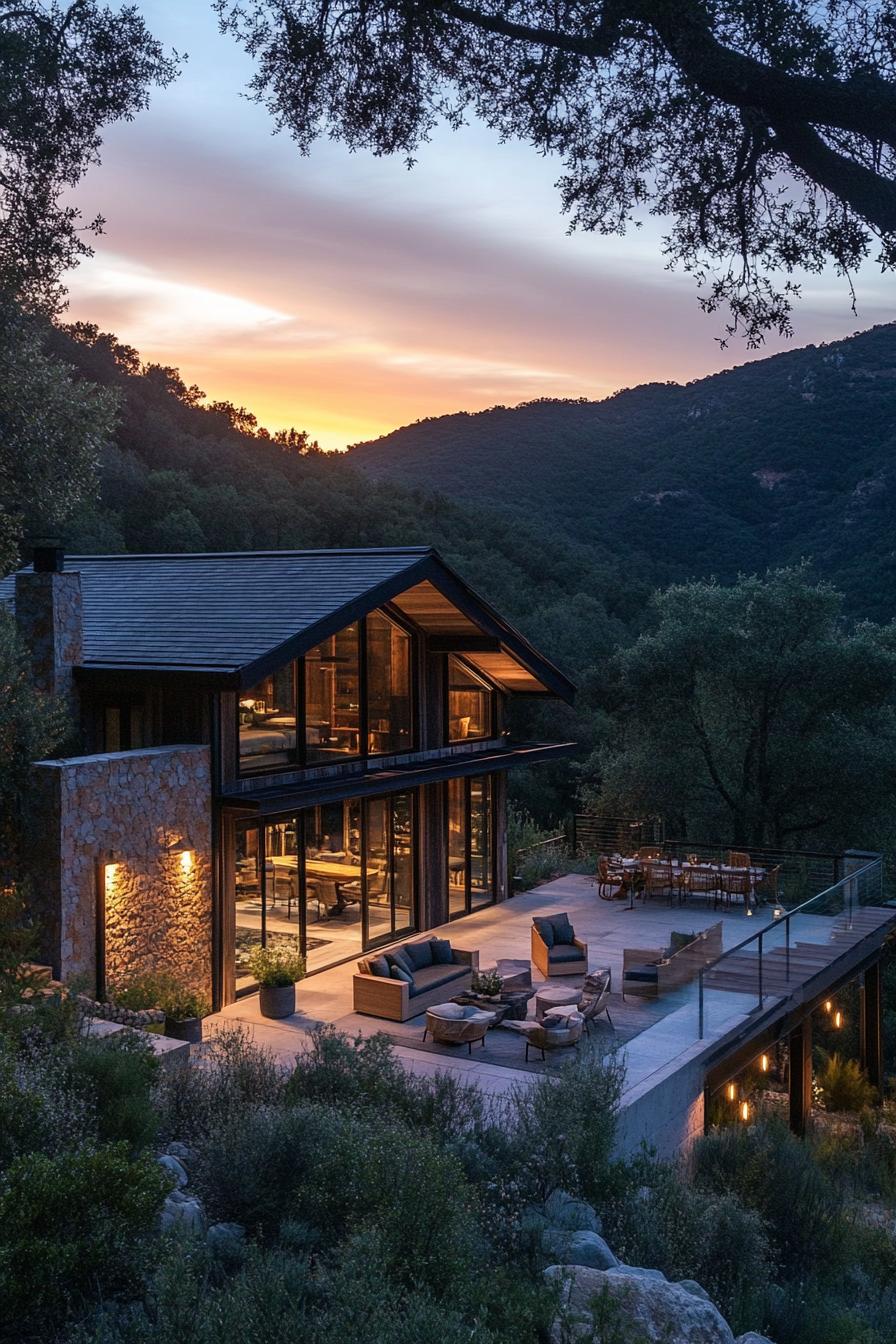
(228, 1241)
(182, 1215)
(577, 1248)
(646, 1307)
(751, 1337)
(181, 1152)
(692, 1286)
(639, 1272)
(174, 1168)
(563, 1210)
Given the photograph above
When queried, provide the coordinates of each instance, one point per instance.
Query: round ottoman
(555, 996)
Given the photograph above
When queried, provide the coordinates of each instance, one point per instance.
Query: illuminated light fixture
(749, 911)
(247, 704)
(838, 1019)
(764, 1063)
(183, 848)
(778, 912)
(828, 1006)
(731, 1091)
(745, 1111)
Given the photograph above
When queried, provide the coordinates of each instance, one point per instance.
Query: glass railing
(790, 949)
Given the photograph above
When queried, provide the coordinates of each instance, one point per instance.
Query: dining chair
(658, 877)
(738, 859)
(704, 882)
(736, 887)
(610, 886)
(650, 852)
(766, 887)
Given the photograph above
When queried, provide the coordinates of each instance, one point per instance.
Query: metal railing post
(787, 946)
(700, 1014)
(761, 996)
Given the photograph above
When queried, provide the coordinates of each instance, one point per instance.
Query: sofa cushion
(378, 966)
(400, 958)
(399, 973)
(561, 952)
(452, 1012)
(432, 977)
(563, 930)
(442, 954)
(545, 931)
(418, 954)
(648, 974)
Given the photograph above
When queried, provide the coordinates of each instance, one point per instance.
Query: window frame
(490, 691)
(469, 908)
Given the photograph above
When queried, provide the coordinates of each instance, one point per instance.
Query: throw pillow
(442, 954)
(379, 966)
(563, 930)
(397, 973)
(400, 958)
(545, 931)
(418, 954)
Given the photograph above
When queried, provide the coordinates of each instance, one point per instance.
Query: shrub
(159, 989)
(72, 1227)
(235, 1074)
(487, 982)
(120, 1074)
(41, 1108)
(276, 966)
(844, 1086)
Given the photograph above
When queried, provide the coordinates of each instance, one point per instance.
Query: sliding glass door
(338, 877)
(471, 845)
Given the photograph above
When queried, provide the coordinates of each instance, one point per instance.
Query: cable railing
(776, 958)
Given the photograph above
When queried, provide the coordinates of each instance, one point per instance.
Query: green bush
(235, 1074)
(159, 989)
(41, 1108)
(844, 1086)
(120, 1074)
(72, 1228)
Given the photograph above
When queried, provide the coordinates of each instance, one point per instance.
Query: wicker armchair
(457, 1024)
(556, 1032)
(595, 998)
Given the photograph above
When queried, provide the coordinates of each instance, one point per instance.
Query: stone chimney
(49, 618)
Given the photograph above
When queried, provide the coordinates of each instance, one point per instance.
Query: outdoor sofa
(654, 970)
(406, 980)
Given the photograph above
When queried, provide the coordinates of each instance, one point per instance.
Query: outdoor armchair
(555, 948)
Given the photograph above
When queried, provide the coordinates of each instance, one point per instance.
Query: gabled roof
(236, 616)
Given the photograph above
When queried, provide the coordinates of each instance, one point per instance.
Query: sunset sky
(345, 295)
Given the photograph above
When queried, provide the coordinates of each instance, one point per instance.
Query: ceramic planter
(277, 1000)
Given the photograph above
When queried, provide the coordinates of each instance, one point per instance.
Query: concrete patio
(665, 1030)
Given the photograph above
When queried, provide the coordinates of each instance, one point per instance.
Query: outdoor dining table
(629, 867)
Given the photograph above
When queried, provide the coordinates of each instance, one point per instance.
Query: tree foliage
(763, 133)
(67, 70)
(756, 713)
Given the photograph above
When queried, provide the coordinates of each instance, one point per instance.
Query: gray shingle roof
(224, 613)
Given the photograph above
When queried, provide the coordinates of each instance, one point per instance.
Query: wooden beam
(870, 1026)
(800, 1075)
(461, 643)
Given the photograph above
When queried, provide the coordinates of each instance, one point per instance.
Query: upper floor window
(351, 696)
(388, 686)
(267, 721)
(333, 697)
(470, 703)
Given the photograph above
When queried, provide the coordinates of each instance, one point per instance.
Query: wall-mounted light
(731, 1091)
(828, 1006)
(838, 1019)
(764, 1063)
(182, 848)
(745, 1111)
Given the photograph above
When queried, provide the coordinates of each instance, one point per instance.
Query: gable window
(333, 697)
(388, 686)
(470, 703)
(267, 722)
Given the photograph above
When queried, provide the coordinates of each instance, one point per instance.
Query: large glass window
(470, 703)
(471, 847)
(333, 698)
(248, 900)
(267, 722)
(388, 686)
(389, 866)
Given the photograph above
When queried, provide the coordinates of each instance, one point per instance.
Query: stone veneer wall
(48, 614)
(131, 804)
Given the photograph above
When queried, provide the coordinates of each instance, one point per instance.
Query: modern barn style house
(277, 745)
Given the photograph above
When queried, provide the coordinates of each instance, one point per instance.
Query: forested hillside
(788, 457)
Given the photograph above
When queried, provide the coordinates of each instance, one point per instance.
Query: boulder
(577, 1248)
(181, 1152)
(563, 1210)
(175, 1169)
(639, 1272)
(656, 1311)
(692, 1286)
(181, 1214)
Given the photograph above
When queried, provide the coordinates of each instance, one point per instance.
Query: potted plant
(487, 984)
(184, 1010)
(276, 969)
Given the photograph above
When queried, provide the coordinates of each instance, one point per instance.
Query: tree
(752, 714)
(765, 132)
(52, 430)
(66, 71)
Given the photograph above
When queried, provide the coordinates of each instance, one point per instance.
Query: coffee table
(555, 996)
(512, 1004)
